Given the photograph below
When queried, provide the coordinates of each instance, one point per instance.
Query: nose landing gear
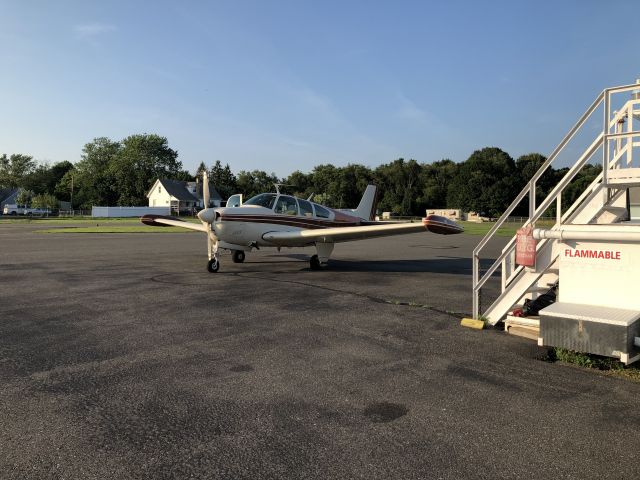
(214, 265)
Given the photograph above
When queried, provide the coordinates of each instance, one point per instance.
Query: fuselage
(270, 212)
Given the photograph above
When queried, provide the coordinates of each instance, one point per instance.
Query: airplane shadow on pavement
(440, 264)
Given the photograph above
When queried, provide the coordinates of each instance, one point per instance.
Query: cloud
(91, 30)
(318, 103)
(409, 110)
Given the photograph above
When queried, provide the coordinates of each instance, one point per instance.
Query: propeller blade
(205, 189)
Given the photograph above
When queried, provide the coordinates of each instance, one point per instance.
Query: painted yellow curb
(472, 323)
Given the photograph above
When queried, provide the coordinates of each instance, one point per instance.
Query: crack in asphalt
(159, 279)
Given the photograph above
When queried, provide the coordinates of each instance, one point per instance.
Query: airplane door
(234, 200)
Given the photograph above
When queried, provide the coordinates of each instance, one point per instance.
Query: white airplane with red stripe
(278, 220)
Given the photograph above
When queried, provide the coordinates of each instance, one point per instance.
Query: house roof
(213, 193)
(179, 190)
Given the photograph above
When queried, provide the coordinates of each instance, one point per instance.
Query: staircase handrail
(535, 213)
(546, 203)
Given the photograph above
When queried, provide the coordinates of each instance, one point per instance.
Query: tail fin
(367, 207)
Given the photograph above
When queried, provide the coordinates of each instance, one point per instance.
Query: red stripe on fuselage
(310, 223)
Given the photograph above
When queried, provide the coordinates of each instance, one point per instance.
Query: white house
(181, 196)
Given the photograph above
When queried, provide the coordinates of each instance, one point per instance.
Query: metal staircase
(603, 201)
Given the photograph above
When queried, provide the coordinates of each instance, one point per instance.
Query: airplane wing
(162, 221)
(432, 223)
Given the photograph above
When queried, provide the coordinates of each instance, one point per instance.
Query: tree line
(121, 173)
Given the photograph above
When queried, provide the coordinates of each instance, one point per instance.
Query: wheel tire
(213, 266)
(238, 256)
(315, 263)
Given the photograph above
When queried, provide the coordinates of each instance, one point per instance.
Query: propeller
(207, 215)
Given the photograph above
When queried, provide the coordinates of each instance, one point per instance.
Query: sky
(286, 85)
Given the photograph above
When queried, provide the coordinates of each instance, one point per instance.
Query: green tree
(183, 175)
(24, 197)
(486, 183)
(200, 170)
(255, 182)
(399, 182)
(579, 184)
(44, 200)
(435, 179)
(92, 180)
(63, 188)
(14, 169)
(324, 185)
(45, 177)
(135, 166)
(223, 179)
(527, 166)
(300, 183)
(351, 182)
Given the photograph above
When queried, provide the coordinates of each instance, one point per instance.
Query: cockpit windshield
(263, 200)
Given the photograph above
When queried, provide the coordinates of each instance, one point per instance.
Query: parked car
(24, 210)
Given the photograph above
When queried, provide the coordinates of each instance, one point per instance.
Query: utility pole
(71, 194)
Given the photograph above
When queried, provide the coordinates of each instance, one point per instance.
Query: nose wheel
(214, 265)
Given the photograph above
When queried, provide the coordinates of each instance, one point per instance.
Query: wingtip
(441, 225)
(151, 220)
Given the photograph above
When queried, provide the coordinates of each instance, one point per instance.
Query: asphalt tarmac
(122, 357)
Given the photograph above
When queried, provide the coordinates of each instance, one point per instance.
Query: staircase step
(623, 182)
(526, 327)
(539, 289)
(531, 333)
(530, 321)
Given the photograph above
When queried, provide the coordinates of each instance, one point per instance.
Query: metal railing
(603, 140)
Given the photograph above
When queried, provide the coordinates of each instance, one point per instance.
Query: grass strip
(611, 366)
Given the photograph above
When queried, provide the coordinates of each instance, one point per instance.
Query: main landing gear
(238, 256)
(320, 260)
(315, 263)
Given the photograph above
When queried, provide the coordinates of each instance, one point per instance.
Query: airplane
(278, 220)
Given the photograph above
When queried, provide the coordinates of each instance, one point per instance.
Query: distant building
(450, 213)
(181, 197)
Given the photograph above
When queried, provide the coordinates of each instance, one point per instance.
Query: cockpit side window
(321, 211)
(306, 209)
(263, 200)
(286, 205)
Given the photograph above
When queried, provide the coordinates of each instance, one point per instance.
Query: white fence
(128, 211)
